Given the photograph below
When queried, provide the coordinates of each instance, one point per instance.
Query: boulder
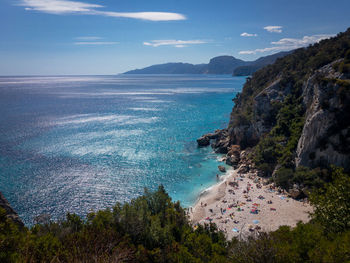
(203, 141)
(222, 168)
(222, 141)
(243, 169)
(232, 160)
(296, 193)
(234, 150)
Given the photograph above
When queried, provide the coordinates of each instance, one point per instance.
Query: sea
(82, 143)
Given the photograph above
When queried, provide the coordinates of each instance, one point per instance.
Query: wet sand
(239, 212)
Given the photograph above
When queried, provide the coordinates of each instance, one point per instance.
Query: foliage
(332, 203)
(150, 228)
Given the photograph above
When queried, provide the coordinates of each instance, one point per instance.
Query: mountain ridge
(218, 65)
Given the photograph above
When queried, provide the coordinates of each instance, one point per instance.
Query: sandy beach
(241, 205)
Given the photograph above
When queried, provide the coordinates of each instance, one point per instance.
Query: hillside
(217, 65)
(254, 66)
(171, 68)
(292, 116)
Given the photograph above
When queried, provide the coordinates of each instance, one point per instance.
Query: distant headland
(217, 65)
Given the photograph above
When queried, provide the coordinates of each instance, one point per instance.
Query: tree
(332, 203)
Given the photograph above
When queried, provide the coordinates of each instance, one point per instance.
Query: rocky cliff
(295, 112)
(325, 137)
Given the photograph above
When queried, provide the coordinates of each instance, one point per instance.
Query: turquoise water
(81, 143)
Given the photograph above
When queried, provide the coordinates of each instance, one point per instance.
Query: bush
(283, 178)
(332, 203)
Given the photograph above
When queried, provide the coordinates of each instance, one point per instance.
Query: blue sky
(48, 37)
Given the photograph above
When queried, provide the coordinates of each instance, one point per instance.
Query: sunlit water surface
(82, 143)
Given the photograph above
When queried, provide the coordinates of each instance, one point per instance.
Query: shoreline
(243, 204)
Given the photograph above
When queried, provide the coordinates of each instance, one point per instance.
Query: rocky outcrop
(221, 143)
(10, 213)
(233, 155)
(222, 168)
(248, 133)
(325, 138)
(203, 141)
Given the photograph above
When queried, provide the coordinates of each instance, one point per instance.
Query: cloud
(285, 44)
(273, 29)
(95, 43)
(88, 38)
(60, 7)
(151, 16)
(245, 34)
(175, 43)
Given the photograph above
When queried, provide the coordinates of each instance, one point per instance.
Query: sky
(78, 37)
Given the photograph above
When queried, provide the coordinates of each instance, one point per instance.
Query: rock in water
(222, 168)
(203, 141)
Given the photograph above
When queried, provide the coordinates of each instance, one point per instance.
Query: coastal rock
(243, 169)
(222, 141)
(234, 150)
(10, 212)
(296, 193)
(232, 160)
(203, 141)
(233, 155)
(222, 168)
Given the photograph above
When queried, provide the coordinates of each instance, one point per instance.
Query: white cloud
(152, 16)
(306, 40)
(273, 29)
(245, 34)
(175, 43)
(285, 44)
(95, 43)
(60, 7)
(88, 38)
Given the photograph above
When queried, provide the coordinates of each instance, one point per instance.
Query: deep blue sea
(81, 143)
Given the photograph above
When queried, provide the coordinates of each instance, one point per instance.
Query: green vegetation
(152, 228)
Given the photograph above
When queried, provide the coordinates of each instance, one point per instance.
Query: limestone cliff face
(248, 133)
(10, 213)
(325, 138)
